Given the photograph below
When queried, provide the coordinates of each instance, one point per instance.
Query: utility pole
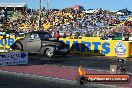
(40, 1)
(47, 6)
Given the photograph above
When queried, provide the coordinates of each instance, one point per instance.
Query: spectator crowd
(71, 22)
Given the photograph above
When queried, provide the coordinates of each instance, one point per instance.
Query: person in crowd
(65, 35)
(57, 35)
(69, 21)
(53, 33)
(126, 38)
(77, 34)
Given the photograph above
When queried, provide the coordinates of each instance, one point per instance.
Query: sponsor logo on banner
(120, 49)
(88, 45)
(9, 41)
(13, 58)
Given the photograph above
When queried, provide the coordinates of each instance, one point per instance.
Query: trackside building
(13, 6)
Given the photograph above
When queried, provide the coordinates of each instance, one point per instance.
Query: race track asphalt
(75, 60)
(18, 80)
(30, 75)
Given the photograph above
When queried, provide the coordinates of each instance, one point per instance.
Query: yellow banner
(9, 41)
(88, 45)
(102, 47)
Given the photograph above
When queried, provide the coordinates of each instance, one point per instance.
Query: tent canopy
(13, 5)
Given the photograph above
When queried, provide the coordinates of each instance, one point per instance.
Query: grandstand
(13, 6)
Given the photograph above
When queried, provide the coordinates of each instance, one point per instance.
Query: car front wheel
(50, 52)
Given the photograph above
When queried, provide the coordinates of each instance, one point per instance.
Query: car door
(33, 43)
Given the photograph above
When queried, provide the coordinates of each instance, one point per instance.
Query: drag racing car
(41, 43)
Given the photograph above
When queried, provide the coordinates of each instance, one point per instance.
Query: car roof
(39, 32)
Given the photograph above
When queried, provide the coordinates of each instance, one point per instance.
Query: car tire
(18, 46)
(50, 52)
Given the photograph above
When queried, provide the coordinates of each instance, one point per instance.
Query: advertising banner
(9, 41)
(101, 47)
(88, 45)
(13, 58)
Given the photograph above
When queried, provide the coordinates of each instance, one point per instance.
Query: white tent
(89, 11)
(119, 13)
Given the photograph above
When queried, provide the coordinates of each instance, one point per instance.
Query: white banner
(13, 58)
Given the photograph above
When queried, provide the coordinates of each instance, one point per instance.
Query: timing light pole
(40, 1)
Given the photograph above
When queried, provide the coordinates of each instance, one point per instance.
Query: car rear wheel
(50, 52)
(18, 46)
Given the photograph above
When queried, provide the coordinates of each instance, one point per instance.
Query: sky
(112, 5)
